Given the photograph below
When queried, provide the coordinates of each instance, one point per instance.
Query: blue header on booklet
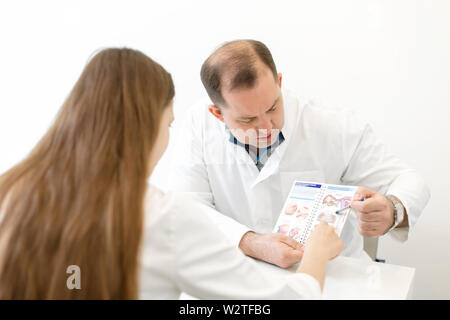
(307, 184)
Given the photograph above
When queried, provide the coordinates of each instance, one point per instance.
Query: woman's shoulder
(162, 204)
(157, 202)
(171, 216)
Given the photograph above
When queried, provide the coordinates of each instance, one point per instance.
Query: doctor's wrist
(399, 215)
(246, 241)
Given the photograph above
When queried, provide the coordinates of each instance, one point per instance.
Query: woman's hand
(324, 242)
(322, 245)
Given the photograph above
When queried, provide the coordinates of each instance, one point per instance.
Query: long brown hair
(78, 198)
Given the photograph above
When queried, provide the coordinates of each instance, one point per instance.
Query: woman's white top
(184, 251)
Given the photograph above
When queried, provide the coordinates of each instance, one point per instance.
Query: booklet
(309, 203)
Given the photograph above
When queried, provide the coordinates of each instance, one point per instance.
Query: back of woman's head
(77, 199)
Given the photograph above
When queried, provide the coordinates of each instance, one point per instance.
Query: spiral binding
(312, 217)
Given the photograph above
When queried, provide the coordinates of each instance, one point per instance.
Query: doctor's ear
(215, 111)
(280, 78)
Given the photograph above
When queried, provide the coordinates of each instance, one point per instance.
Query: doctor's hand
(274, 248)
(375, 213)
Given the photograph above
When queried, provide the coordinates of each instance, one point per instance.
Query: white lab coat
(183, 251)
(321, 145)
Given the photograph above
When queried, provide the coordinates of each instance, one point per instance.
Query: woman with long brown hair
(81, 199)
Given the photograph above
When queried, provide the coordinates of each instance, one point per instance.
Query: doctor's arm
(381, 174)
(189, 173)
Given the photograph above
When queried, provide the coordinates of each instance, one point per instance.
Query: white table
(350, 278)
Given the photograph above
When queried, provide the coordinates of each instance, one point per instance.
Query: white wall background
(389, 59)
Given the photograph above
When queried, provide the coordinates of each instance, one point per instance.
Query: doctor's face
(255, 116)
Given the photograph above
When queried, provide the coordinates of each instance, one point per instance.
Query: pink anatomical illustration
(302, 212)
(284, 228)
(290, 209)
(339, 203)
(327, 217)
(295, 233)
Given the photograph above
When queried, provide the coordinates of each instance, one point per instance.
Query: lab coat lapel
(239, 154)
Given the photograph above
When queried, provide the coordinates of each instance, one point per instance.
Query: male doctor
(241, 154)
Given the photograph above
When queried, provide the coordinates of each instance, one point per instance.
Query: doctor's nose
(265, 127)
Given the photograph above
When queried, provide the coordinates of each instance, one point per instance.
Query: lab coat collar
(238, 151)
(290, 109)
(291, 112)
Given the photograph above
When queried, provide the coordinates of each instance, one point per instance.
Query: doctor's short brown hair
(233, 66)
